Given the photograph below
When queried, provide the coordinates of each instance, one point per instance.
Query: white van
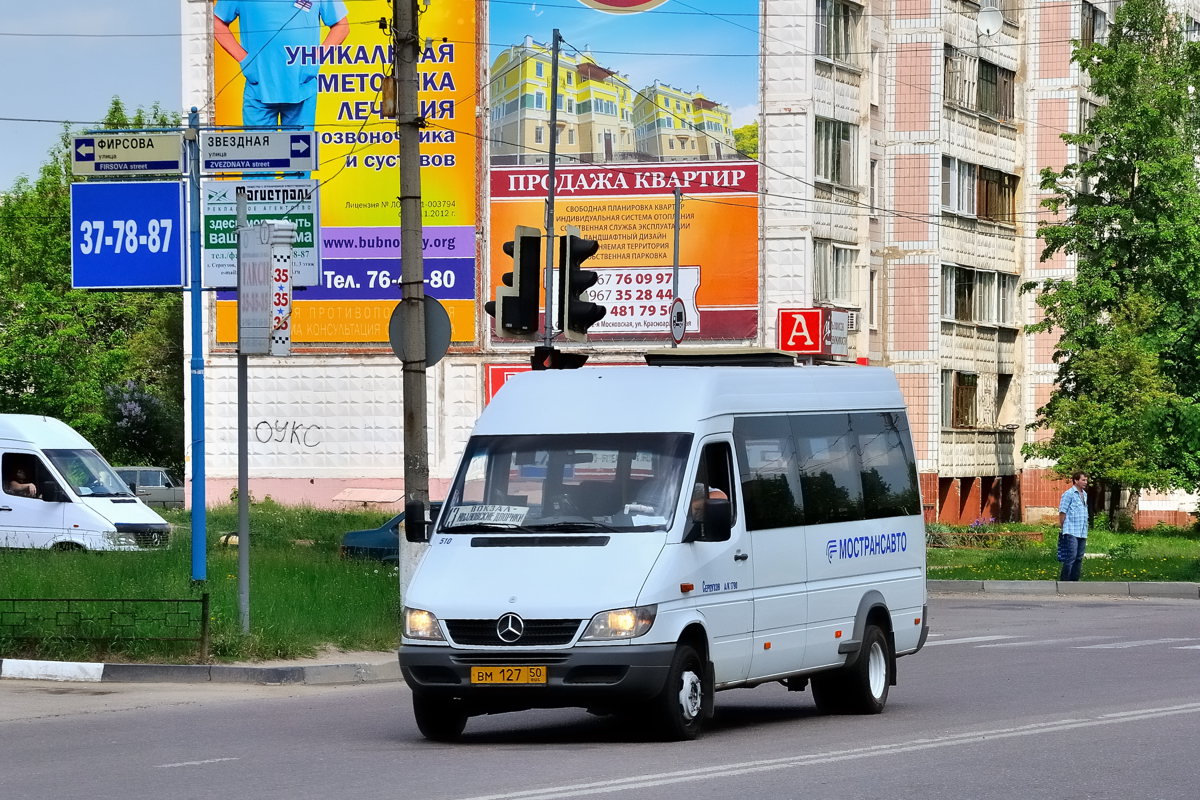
(634, 539)
(60, 494)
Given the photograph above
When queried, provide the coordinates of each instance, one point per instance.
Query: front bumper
(588, 677)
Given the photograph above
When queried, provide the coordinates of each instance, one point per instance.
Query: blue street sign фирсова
(127, 154)
(128, 235)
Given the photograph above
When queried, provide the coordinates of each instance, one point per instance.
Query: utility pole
(551, 239)
(406, 46)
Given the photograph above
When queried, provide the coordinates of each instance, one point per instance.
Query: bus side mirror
(416, 529)
(717, 524)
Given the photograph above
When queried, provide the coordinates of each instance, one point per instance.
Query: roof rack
(720, 357)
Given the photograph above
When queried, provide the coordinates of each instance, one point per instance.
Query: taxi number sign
(508, 675)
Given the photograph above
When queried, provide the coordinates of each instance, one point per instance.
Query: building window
(833, 267)
(1084, 152)
(537, 134)
(997, 196)
(873, 301)
(958, 399)
(571, 136)
(835, 151)
(539, 69)
(1003, 401)
(872, 206)
(978, 295)
(875, 76)
(958, 186)
(1093, 25)
(996, 91)
(1007, 296)
(539, 100)
(837, 29)
(959, 72)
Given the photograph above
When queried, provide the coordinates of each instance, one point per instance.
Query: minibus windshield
(88, 473)
(569, 482)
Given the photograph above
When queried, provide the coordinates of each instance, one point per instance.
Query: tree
(77, 355)
(745, 139)
(1126, 406)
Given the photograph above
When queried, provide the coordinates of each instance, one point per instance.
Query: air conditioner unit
(851, 320)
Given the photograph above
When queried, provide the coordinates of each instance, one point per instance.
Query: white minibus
(632, 540)
(59, 493)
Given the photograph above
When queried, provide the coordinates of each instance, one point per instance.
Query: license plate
(508, 675)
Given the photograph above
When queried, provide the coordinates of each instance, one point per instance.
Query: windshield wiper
(565, 525)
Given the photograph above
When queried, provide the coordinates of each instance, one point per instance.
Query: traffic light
(575, 312)
(516, 305)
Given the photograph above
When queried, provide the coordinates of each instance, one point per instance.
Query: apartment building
(916, 209)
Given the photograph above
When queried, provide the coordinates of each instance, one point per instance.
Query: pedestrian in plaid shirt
(1073, 525)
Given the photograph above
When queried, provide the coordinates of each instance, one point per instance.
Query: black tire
(679, 710)
(68, 547)
(861, 687)
(440, 719)
(829, 692)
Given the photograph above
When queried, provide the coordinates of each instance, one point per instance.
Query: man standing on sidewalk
(1073, 525)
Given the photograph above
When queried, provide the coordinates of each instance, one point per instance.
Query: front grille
(152, 539)
(146, 534)
(538, 632)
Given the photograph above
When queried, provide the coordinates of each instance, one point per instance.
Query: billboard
(322, 64)
(648, 97)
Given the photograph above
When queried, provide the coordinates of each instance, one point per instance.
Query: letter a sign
(801, 331)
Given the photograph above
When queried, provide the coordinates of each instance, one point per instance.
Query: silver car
(154, 485)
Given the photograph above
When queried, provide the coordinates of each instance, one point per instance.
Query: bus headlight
(420, 624)
(621, 623)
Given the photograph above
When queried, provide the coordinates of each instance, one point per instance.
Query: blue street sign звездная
(127, 235)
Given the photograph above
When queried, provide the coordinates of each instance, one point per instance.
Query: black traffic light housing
(516, 306)
(575, 312)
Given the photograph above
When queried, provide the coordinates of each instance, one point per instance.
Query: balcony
(966, 453)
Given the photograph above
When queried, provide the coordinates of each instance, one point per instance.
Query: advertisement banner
(643, 111)
(322, 65)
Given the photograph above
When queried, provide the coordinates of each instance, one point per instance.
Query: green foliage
(1166, 555)
(302, 595)
(108, 363)
(1127, 402)
(745, 139)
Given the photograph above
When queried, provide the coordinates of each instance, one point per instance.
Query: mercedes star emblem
(510, 628)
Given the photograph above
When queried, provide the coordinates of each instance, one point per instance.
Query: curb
(1187, 591)
(320, 674)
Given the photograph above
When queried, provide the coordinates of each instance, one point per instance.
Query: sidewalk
(335, 667)
(1147, 590)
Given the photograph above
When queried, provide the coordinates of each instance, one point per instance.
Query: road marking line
(641, 782)
(1047, 641)
(1125, 645)
(969, 640)
(195, 763)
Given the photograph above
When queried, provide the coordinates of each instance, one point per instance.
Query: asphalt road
(1046, 697)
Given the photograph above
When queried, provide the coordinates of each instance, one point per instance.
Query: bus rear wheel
(860, 687)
